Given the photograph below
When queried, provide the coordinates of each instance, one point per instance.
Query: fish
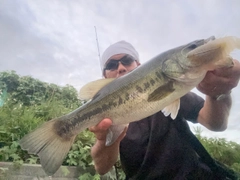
(154, 86)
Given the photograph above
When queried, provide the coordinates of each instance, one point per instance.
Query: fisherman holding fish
(141, 112)
(157, 147)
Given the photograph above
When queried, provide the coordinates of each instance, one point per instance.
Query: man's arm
(104, 157)
(214, 114)
(216, 109)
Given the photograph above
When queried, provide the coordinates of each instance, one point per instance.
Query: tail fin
(48, 145)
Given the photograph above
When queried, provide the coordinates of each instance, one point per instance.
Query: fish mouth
(196, 56)
(203, 51)
(211, 38)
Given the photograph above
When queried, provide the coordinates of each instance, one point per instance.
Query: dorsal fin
(90, 89)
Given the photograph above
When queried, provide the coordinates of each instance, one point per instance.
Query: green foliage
(89, 176)
(29, 91)
(119, 171)
(226, 152)
(80, 151)
(9, 80)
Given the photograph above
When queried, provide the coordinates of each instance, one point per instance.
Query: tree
(30, 91)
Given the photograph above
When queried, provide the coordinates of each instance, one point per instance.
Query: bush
(226, 152)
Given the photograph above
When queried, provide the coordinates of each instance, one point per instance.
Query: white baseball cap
(121, 47)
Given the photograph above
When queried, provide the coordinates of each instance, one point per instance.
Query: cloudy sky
(55, 41)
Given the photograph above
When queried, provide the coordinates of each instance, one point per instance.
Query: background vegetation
(26, 102)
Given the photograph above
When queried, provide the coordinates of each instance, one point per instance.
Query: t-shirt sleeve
(190, 105)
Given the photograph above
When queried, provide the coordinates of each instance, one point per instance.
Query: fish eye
(192, 46)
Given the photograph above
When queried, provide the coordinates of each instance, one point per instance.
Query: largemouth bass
(156, 85)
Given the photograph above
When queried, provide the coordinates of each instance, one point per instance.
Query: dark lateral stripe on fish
(139, 89)
(158, 94)
(146, 86)
(152, 82)
(127, 96)
(95, 111)
(161, 92)
(103, 108)
(120, 101)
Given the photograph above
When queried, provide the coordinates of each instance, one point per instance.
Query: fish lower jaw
(190, 83)
(193, 77)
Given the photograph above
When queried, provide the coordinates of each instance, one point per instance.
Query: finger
(228, 71)
(210, 80)
(213, 90)
(101, 126)
(223, 72)
(101, 129)
(213, 85)
(220, 81)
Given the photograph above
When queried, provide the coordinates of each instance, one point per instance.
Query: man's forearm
(214, 115)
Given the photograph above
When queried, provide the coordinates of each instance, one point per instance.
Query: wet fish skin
(154, 86)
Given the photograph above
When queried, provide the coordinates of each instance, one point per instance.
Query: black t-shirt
(154, 149)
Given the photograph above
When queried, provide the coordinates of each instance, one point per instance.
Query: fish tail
(49, 144)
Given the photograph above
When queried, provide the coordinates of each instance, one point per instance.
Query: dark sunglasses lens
(127, 61)
(112, 65)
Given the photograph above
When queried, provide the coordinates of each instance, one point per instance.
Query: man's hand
(103, 156)
(215, 112)
(220, 81)
(101, 129)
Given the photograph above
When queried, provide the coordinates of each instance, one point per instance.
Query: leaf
(65, 170)
(87, 176)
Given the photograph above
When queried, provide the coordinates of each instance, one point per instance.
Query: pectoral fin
(172, 109)
(90, 89)
(113, 133)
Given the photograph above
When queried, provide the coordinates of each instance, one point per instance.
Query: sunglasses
(113, 64)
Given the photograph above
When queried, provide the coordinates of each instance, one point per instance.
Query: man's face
(121, 69)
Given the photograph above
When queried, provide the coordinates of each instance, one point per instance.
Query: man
(156, 147)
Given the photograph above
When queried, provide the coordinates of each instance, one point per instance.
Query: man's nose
(121, 67)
